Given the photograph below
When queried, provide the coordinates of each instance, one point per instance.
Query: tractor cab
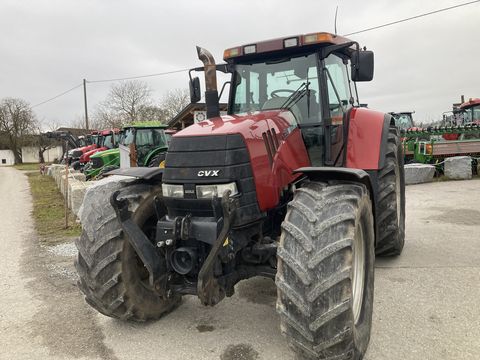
(146, 141)
(471, 112)
(403, 120)
(311, 76)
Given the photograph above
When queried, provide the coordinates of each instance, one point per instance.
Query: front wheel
(112, 276)
(325, 271)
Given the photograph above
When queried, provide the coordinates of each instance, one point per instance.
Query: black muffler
(211, 93)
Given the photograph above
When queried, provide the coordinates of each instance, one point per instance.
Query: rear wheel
(156, 160)
(112, 276)
(325, 271)
(391, 199)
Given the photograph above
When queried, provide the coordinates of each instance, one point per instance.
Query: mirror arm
(223, 87)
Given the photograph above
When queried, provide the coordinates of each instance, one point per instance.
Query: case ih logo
(203, 173)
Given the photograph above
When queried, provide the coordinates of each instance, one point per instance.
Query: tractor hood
(246, 124)
(105, 153)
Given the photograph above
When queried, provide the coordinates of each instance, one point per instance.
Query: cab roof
(146, 124)
(470, 103)
(291, 43)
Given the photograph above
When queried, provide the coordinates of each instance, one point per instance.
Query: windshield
(403, 121)
(108, 141)
(472, 114)
(127, 137)
(288, 83)
(97, 140)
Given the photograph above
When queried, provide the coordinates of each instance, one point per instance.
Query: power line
(57, 96)
(182, 70)
(413, 17)
(139, 76)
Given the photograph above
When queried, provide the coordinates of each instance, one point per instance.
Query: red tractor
(106, 139)
(297, 183)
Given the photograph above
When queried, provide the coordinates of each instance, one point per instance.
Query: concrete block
(78, 176)
(53, 169)
(418, 173)
(76, 193)
(458, 167)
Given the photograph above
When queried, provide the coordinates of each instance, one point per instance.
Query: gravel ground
(426, 300)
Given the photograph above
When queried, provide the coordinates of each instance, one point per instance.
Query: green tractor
(147, 141)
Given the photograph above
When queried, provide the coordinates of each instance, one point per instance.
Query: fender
(337, 173)
(153, 153)
(141, 173)
(367, 139)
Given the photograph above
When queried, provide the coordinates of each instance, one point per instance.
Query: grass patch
(27, 166)
(48, 209)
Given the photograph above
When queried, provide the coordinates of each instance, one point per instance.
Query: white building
(30, 154)
(6, 158)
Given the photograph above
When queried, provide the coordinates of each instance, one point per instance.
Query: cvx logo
(210, 173)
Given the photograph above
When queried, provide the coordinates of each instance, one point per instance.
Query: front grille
(226, 153)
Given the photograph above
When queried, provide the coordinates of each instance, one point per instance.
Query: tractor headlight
(203, 191)
(211, 191)
(171, 190)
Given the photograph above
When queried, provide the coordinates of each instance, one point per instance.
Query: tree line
(126, 102)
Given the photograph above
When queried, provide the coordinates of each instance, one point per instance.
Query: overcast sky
(49, 46)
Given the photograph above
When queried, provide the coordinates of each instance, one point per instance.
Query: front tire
(112, 276)
(325, 271)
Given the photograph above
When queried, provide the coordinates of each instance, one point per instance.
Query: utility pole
(66, 187)
(85, 102)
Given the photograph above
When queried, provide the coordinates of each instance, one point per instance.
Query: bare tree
(17, 120)
(151, 113)
(123, 103)
(174, 102)
(44, 143)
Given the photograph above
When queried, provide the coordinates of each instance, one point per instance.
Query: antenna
(336, 11)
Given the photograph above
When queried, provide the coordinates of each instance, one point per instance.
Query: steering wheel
(274, 93)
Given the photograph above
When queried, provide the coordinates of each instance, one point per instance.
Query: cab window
(337, 83)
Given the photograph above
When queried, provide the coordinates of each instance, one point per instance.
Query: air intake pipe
(211, 93)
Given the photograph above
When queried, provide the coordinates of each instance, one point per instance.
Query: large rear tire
(325, 271)
(157, 160)
(112, 276)
(391, 199)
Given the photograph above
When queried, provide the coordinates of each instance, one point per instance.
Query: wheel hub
(358, 268)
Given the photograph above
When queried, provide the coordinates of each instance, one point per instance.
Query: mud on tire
(316, 265)
(391, 199)
(112, 277)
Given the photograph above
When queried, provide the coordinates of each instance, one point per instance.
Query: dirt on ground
(426, 300)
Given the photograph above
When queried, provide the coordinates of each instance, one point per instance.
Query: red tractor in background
(297, 183)
(88, 143)
(104, 140)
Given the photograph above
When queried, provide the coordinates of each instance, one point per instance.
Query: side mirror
(362, 66)
(195, 94)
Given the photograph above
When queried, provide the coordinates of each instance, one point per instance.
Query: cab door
(339, 101)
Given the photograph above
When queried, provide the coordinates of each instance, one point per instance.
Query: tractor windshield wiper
(296, 96)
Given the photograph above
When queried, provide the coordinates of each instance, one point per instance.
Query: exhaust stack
(211, 92)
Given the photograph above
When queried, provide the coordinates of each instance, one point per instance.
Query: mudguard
(337, 173)
(153, 153)
(143, 173)
(367, 139)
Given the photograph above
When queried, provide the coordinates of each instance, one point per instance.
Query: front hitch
(140, 242)
(208, 289)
